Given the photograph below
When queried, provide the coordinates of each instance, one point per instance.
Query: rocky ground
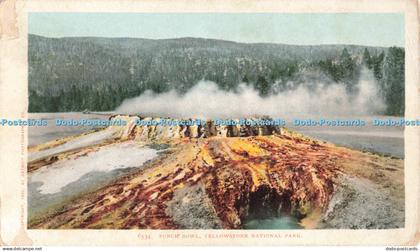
(365, 205)
(213, 177)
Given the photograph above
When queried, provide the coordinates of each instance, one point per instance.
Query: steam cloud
(207, 100)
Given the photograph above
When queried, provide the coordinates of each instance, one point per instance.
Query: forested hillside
(97, 74)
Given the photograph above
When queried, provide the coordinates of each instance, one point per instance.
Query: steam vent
(210, 177)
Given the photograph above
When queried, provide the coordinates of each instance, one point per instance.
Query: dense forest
(97, 74)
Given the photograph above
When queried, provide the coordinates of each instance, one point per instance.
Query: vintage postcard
(209, 122)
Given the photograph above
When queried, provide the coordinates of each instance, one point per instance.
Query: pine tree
(263, 86)
(394, 81)
(367, 59)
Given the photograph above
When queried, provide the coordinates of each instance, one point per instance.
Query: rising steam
(207, 100)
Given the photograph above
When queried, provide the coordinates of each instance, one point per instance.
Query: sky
(371, 29)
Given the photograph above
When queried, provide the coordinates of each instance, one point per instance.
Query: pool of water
(283, 222)
(378, 139)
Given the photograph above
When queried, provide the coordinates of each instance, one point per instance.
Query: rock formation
(149, 128)
(218, 177)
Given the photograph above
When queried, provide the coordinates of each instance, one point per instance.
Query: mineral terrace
(216, 177)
